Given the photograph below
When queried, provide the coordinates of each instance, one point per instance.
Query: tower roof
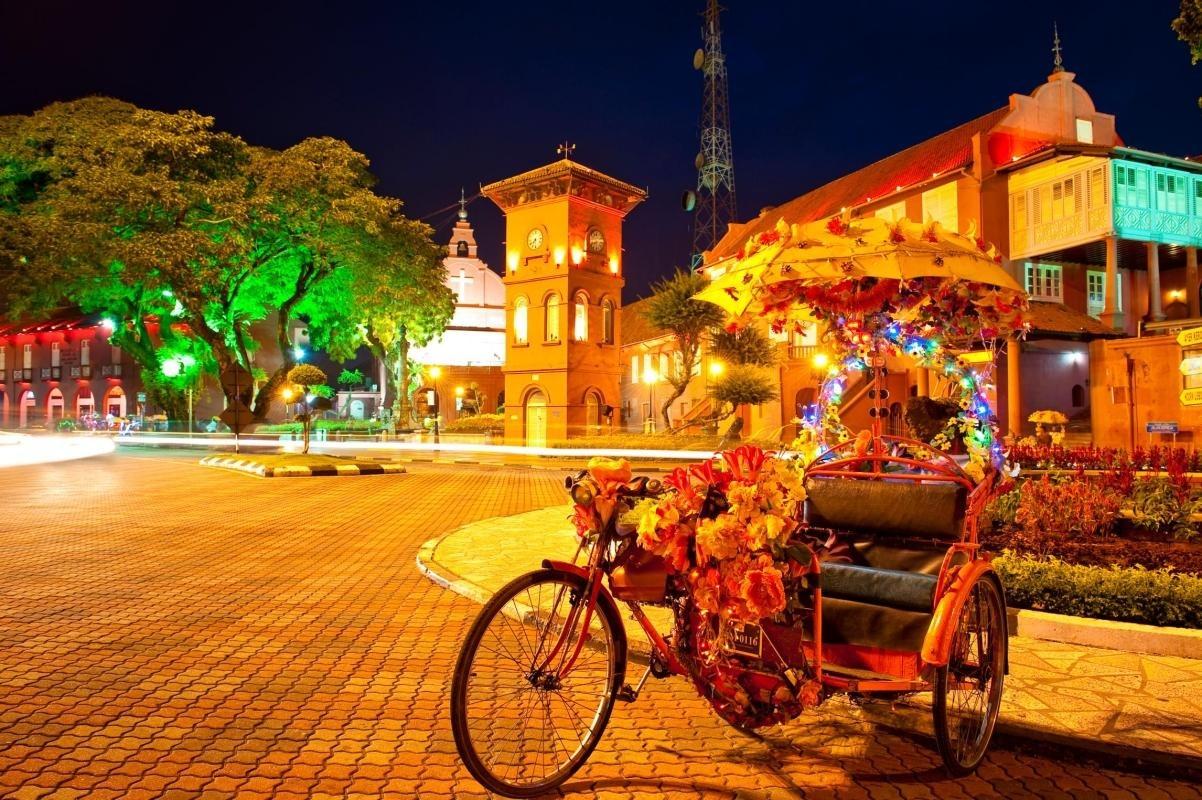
(564, 177)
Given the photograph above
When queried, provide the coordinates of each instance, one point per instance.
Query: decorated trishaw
(847, 563)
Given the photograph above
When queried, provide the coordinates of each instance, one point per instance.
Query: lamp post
(650, 377)
(435, 374)
(287, 394)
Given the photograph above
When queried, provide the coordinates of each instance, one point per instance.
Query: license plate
(743, 638)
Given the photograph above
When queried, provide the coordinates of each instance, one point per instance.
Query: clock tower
(563, 290)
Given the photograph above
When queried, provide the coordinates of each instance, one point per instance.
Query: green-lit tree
(389, 305)
(146, 215)
(672, 308)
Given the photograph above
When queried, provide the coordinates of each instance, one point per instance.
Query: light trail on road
(19, 450)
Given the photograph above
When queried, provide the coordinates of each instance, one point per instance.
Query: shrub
(1047, 508)
(66, 425)
(1125, 594)
(1159, 506)
(477, 423)
(1003, 509)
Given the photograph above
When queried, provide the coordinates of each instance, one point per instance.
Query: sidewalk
(1109, 702)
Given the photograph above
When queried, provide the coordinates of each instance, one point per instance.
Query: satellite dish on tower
(688, 201)
(699, 59)
(699, 161)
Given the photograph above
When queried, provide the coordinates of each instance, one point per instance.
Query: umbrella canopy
(837, 251)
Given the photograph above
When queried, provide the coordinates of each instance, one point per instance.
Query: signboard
(1163, 427)
(1190, 337)
(1191, 365)
(237, 416)
(237, 377)
(1192, 397)
(141, 397)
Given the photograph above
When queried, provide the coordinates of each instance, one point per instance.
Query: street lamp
(435, 374)
(650, 377)
(287, 393)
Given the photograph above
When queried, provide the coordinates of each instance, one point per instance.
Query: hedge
(1125, 594)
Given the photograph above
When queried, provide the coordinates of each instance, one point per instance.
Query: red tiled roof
(949, 151)
(1061, 321)
(636, 327)
(61, 321)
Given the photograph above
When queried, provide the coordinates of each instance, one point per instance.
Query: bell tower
(563, 291)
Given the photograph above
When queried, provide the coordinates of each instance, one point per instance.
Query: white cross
(463, 280)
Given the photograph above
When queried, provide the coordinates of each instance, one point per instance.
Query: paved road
(168, 631)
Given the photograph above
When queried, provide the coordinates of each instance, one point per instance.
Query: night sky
(450, 94)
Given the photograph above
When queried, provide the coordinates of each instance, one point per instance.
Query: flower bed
(1153, 459)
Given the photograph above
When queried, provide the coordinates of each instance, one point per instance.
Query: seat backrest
(887, 507)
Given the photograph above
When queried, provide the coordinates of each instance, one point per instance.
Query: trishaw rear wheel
(521, 724)
(968, 691)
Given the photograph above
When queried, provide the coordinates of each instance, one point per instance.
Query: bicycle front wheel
(522, 724)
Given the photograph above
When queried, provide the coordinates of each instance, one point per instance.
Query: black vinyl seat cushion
(907, 591)
(887, 507)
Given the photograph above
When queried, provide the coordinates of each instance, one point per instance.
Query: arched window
(1078, 396)
(461, 249)
(607, 321)
(551, 330)
(521, 329)
(581, 317)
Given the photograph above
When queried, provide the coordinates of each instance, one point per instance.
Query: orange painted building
(563, 292)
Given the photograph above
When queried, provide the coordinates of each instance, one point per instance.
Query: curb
(906, 716)
(324, 470)
(1131, 637)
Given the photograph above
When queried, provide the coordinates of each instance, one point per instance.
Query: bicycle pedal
(627, 694)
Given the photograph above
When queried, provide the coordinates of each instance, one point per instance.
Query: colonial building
(563, 291)
(1102, 234)
(64, 367)
(471, 352)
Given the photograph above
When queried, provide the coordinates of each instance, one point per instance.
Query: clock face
(596, 241)
(534, 239)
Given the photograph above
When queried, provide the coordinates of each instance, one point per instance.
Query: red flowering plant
(724, 529)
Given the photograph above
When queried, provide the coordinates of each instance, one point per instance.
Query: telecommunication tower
(714, 200)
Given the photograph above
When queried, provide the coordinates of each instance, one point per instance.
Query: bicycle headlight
(583, 493)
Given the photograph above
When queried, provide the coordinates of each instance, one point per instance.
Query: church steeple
(463, 238)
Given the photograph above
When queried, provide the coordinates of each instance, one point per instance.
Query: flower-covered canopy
(868, 266)
(882, 288)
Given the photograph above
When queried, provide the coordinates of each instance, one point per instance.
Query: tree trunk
(404, 407)
(308, 422)
(677, 392)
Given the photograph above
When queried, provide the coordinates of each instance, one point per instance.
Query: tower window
(581, 317)
(521, 330)
(551, 328)
(607, 321)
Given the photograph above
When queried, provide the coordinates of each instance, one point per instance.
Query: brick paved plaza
(170, 631)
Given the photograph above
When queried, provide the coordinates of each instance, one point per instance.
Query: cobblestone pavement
(168, 631)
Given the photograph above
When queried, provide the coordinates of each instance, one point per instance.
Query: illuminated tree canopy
(153, 217)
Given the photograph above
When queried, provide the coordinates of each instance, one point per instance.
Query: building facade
(1104, 237)
(563, 293)
(65, 368)
(470, 354)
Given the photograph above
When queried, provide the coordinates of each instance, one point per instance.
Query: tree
(148, 216)
(390, 305)
(746, 345)
(308, 377)
(672, 308)
(742, 384)
(1188, 26)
